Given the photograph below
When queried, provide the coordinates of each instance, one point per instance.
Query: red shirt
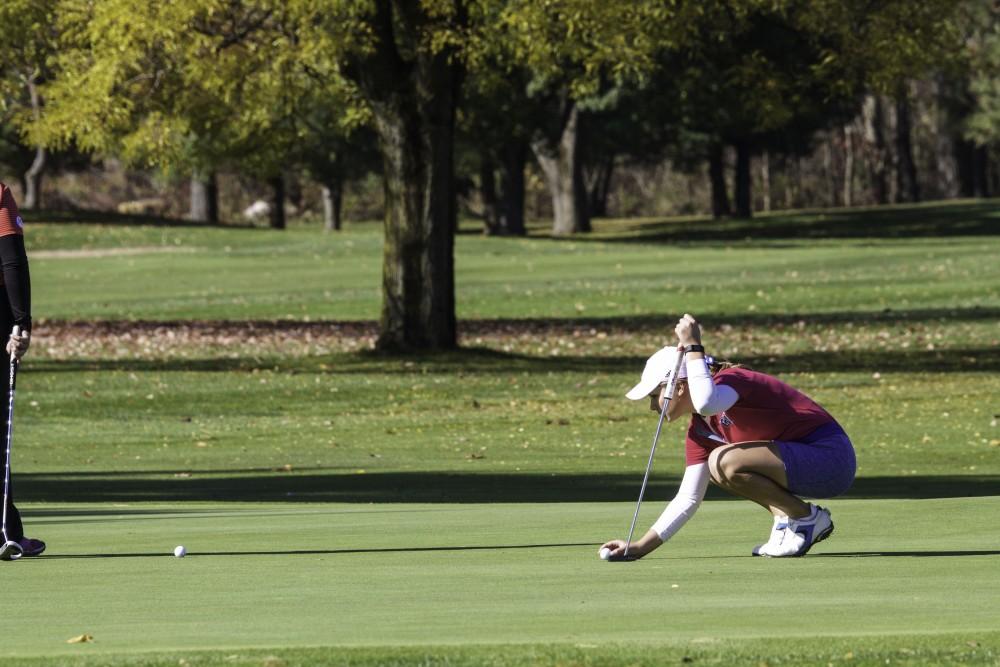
(767, 409)
(10, 219)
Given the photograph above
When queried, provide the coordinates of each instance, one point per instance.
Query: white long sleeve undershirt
(689, 496)
(707, 397)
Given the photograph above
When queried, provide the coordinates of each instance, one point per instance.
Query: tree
(770, 75)
(497, 119)
(980, 19)
(29, 43)
(575, 53)
(410, 77)
(189, 87)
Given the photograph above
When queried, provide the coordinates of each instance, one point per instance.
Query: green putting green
(338, 576)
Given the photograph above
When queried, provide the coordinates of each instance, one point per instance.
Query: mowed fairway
(344, 507)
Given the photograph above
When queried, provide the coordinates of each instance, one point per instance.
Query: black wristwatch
(694, 348)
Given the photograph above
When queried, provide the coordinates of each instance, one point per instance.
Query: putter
(671, 384)
(10, 550)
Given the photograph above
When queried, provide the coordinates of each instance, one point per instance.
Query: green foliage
(189, 85)
(25, 61)
(577, 42)
(983, 51)
(29, 43)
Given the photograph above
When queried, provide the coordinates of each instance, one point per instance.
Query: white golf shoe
(800, 534)
(777, 533)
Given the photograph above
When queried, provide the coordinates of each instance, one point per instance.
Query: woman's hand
(688, 331)
(637, 550)
(17, 345)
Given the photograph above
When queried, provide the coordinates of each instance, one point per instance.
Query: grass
(864, 266)
(423, 575)
(345, 507)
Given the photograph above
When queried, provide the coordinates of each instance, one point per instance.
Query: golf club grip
(16, 331)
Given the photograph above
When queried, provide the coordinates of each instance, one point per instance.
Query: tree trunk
(980, 171)
(333, 196)
(847, 135)
(562, 167)
(293, 192)
(765, 179)
(600, 187)
(512, 188)
(963, 164)
(204, 198)
(717, 176)
(742, 192)
(874, 114)
(33, 180)
(413, 95)
(33, 176)
(277, 215)
(828, 171)
(908, 189)
(793, 183)
(488, 194)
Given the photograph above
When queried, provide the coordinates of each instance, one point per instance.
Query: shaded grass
(929, 219)
(355, 486)
(944, 649)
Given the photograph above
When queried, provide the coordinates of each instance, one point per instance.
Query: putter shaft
(671, 384)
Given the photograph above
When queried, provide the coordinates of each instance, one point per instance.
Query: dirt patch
(109, 340)
(234, 339)
(110, 252)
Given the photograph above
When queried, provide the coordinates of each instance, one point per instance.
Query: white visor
(657, 371)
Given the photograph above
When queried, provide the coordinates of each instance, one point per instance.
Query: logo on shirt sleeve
(19, 222)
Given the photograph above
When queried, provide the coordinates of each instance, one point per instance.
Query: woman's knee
(720, 465)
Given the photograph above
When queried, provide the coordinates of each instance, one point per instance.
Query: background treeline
(508, 108)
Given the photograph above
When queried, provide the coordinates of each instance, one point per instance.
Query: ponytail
(718, 365)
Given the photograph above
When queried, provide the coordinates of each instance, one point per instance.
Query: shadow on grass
(493, 362)
(978, 218)
(430, 487)
(332, 552)
(539, 326)
(906, 554)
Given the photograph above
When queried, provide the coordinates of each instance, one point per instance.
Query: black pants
(15, 531)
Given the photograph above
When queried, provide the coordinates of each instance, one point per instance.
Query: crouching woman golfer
(754, 436)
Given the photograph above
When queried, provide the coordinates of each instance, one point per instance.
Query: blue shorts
(821, 464)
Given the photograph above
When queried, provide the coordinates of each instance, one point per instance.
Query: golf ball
(180, 551)
(605, 553)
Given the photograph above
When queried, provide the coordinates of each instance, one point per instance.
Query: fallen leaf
(80, 639)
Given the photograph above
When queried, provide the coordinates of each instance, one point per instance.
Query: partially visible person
(15, 309)
(750, 434)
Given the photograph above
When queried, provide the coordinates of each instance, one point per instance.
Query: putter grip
(16, 331)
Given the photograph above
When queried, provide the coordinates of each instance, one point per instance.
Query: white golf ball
(180, 551)
(605, 553)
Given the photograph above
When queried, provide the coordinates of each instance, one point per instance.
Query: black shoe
(31, 547)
